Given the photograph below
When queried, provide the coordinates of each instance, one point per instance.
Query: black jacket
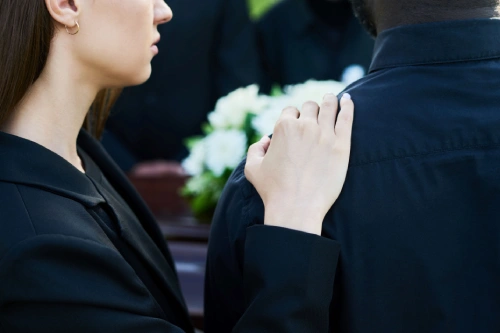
(61, 270)
(418, 219)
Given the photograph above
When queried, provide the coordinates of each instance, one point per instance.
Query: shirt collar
(27, 163)
(437, 43)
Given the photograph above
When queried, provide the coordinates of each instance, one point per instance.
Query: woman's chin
(140, 78)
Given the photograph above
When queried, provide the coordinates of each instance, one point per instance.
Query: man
(322, 41)
(418, 220)
(207, 51)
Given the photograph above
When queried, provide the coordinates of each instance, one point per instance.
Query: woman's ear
(65, 12)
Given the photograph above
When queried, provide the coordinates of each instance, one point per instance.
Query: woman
(79, 251)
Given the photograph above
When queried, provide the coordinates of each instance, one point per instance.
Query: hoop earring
(74, 33)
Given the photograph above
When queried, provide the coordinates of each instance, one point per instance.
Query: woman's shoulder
(28, 212)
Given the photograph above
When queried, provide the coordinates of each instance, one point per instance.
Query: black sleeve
(52, 284)
(288, 281)
(288, 274)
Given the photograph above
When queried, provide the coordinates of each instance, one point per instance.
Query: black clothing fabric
(418, 217)
(112, 229)
(82, 253)
(206, 51)
(296, 45)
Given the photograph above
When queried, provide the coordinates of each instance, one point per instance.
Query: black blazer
(60, 272)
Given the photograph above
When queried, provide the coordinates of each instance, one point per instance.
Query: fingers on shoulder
(290, 112)
(310, 111)
(328, 112)
(288, 119)
(343, 128)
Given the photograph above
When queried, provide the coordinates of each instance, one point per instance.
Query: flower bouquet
(239, 119)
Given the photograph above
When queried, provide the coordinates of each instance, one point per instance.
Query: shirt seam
(26, 209)
(434, 62)
(423, 154)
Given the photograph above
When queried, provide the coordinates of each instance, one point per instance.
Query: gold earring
(74, 33)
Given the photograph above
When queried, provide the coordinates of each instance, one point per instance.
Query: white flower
(312, 91)
(230, 111)
(197, 184)
(295, 95)
(352, 74)
(265, 121)
(224, 150)
(194, 163)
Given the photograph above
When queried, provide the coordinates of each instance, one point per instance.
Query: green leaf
(192, 141)
(207, 128)
(258, 8)
(248, 128)
(276, 90)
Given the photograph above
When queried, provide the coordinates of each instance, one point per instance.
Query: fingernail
(328, 95)
(346, 96)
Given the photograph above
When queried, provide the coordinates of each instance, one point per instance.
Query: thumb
(259, 149)
(256, 154)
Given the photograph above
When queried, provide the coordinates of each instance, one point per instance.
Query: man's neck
(391, 16)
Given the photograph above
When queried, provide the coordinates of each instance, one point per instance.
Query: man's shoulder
(419, 110)
(239, 207)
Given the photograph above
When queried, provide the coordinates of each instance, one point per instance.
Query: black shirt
(418, 218)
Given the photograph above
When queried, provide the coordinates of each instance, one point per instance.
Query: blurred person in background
(210, 51)
(300, 40)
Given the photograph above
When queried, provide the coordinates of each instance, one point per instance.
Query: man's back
(419, 217)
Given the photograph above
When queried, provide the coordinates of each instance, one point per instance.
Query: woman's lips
(154, 48)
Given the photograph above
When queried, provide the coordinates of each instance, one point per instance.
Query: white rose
(312, 91)
(265, 121)
(194, 163)
(224, 150)
(230, 111)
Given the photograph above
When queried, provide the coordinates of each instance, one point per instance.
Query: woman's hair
(26, 30)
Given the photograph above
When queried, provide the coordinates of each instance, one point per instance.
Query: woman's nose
(163, 13)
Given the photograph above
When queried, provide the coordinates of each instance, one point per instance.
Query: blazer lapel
(157, 256)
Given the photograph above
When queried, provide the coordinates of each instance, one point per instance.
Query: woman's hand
(300, 172)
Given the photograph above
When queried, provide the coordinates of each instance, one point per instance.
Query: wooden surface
(186, 237)
(190, 259)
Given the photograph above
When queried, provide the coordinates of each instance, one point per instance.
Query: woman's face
(117, 38)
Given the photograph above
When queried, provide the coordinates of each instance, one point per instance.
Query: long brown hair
(26, 30)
